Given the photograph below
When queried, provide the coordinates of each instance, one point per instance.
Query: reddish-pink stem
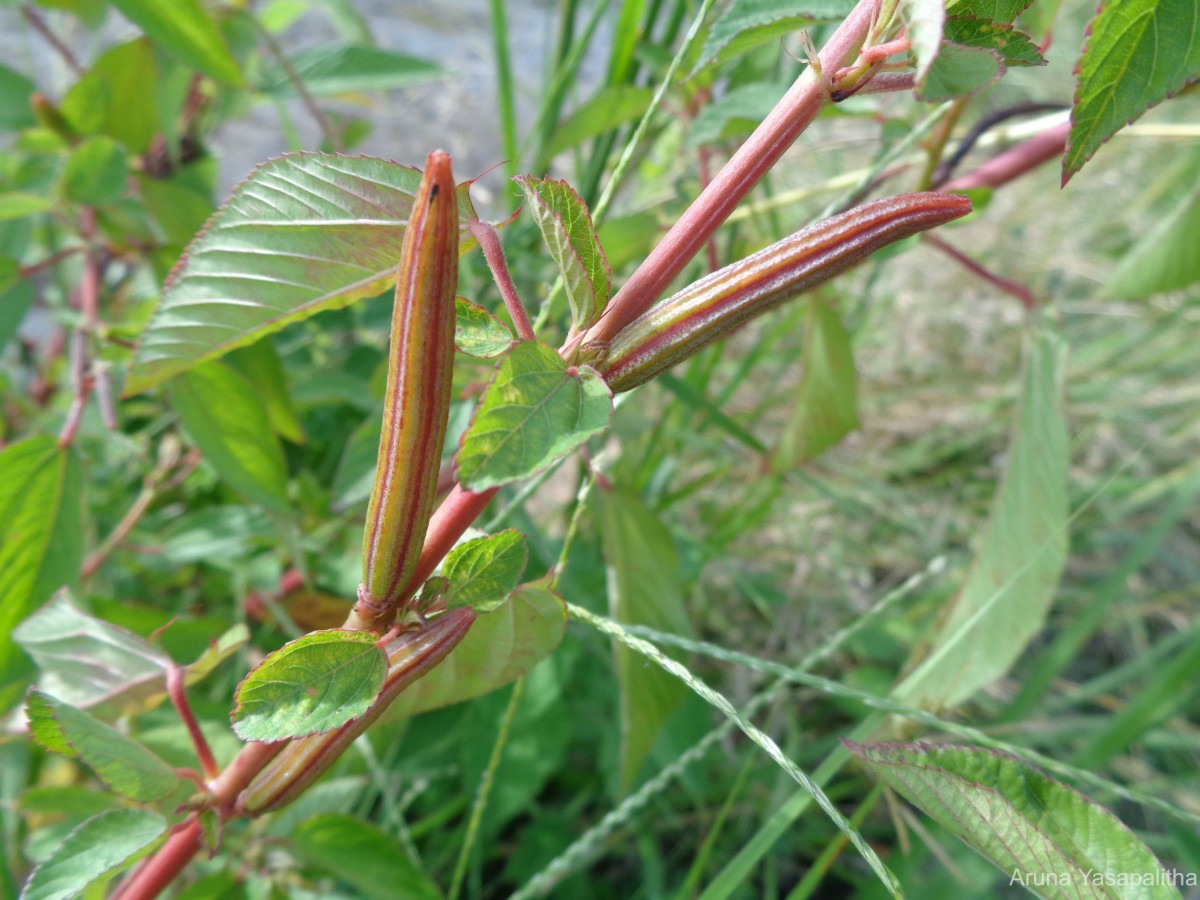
(1006, 285)
(177, 691)
(798, 107)
(460, 508)
(156, 874)
(489, 242)
(83, 388)
(710, 246)
(88, 301)
(1015, 161)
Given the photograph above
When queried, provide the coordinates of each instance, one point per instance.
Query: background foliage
(905, 477)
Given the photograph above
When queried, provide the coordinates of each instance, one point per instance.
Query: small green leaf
(123, 764)
(302, 234)
(1165, 259)
(226, 419)
(643, 589)
(97, 172)
(19, 205)
(340, 69)
(610, 108)
(259, 364)
(1138, 53)
(959, 71)
(16, 296)
(477, 332)
(1016, 569)
(15, 91)
(312, 685)
(1014, 47)
(535, 410)
(41, 542)
(827, 408)
(1031, 827)
(185, 31)
(111, 97)
(566, 228)
(747, 24)
(501, 646)
(362, 856)
(100, 846)
(217, 652)
(483, 572)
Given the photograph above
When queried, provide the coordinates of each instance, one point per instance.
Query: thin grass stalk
(806, 782)
(485, 789)
(505, 88)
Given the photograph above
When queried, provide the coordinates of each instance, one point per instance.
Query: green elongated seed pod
(417, 404)
(709, 308)
(410, 657)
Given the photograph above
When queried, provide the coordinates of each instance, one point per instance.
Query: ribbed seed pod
(417, 405)
(304, 760)
(707, 309)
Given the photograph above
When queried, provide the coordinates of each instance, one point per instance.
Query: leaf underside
(301, 234)
(1025, 823)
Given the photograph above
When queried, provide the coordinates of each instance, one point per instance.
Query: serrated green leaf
(100, 846)
(610, 108)
(311, 685)
(185, 31)
(477, 332)
(827, 407)
(1013, 47)
(302, 234)
(500, 647)
(747, 24)
(1165, 259)
(1138, 53)
(44, 727)
(1016, 569)
(959, 71)
(642, 565)
(566, 227)
(259, 364)
(535, 410)
(41, 541)
(1030, 826)
(97, 172)
(340, 69)
(484, 571)
(120, 762)
(1004, 12)
(228, 422)
(363, 856)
